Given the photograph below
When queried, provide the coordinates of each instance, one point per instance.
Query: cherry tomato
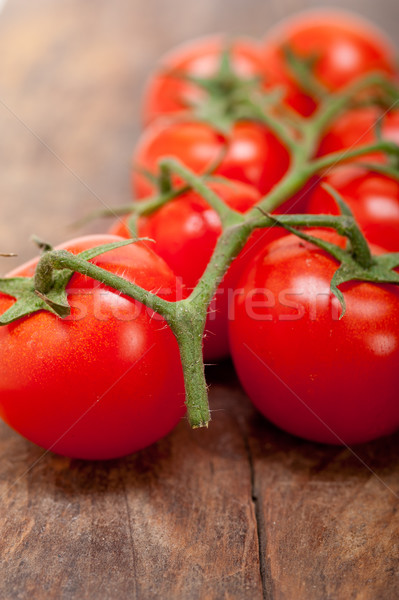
(358, 127)
(341, 45)
(105, 381)
(167, 92)
(373, 199)
(313, 375)
(251, 153)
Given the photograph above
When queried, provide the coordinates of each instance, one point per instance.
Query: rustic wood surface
(238, 511)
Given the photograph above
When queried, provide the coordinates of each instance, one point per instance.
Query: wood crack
(264, 563)
(129, 522)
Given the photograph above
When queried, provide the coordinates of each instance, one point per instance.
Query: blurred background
(71, 79)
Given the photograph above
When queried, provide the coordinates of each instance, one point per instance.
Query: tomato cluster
(318, 376)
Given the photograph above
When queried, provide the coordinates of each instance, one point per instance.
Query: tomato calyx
(302, 69)
(389, 171)
(46, 290)
(135, 209)
(380, 270)
(357, 263)
(148, 206)
(225, 93)
(230, 98)
(384, 93)
(43, 245)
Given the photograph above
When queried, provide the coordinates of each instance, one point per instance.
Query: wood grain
(173, 521)
(327, 518)
(240, 511)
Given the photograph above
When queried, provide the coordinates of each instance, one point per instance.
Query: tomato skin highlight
(373, 199)
(315, 376)
(250, 154)
(167, 94)
(344, 45)
(104, 382)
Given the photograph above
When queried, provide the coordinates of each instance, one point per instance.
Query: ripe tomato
(373, 199)
(251, 153)
(107, 380)
(358, 127)
(343, 46)
(167, 92)
(318, 377)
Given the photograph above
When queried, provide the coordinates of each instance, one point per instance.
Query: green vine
(46, 290)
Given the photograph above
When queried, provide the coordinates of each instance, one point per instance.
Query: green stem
(291, 183)
(188, 328)
(301, 69)
(61, 259)
(43, 277)
(360, 248)
(165, 180)
(343, 224)
(147, 207)
(381, 169)
(139, 207)
(331, 221)
(119, 211)
(227, 215)
(229, 245)
(335, 158)
(334, 104)
(277, 126)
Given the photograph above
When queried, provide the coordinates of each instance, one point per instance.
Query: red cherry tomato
(167, 92)
(373, 199)
(251, 153)
(343, 46)
(313, 375)
(358, 127)
(107, 380)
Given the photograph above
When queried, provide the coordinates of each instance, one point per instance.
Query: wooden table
(241, 510)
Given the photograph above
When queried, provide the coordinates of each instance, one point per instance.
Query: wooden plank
(173, 521)
(328, 517)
